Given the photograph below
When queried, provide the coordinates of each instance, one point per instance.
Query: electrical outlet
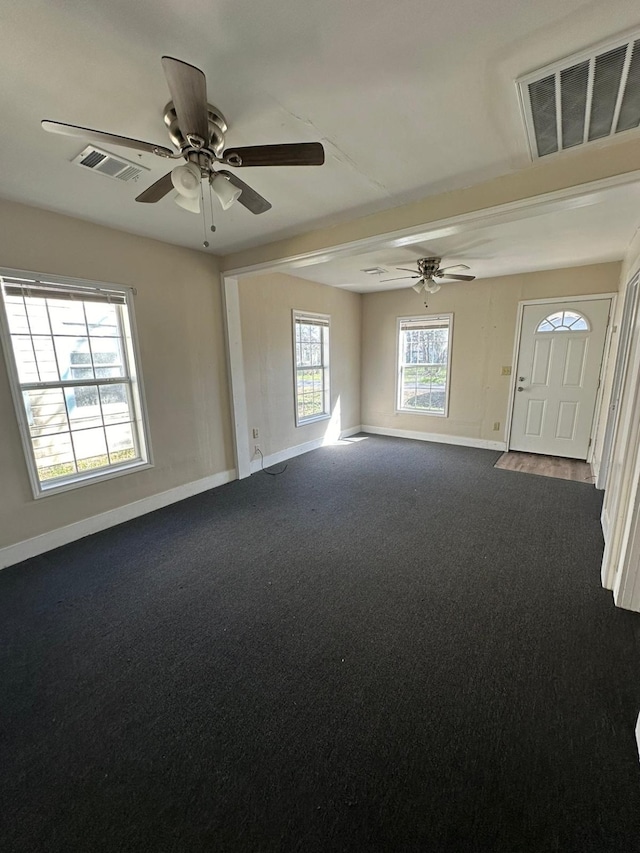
(256, 449)
(496, 426)
(256, 432)
(506, 371)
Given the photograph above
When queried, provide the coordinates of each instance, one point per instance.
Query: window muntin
(424, 355)
(564, 321)
(311, 355)
(71, 355)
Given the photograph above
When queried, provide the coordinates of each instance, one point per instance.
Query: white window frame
(428, 319)
(323, 320)
(133, 379)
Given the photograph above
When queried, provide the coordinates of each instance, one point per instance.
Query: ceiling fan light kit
(198, 130)
(428, 270)
(190, 203)
(226, 193)
(186, 180)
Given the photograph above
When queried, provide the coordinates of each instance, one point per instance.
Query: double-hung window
(424, 355)
(72, 360)
(311, 354)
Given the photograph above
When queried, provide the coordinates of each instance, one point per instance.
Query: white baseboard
(438, 437)
(604, 520)
(69, 533)
(282, 455)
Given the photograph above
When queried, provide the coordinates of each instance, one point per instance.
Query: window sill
(88, 479)
(313, 420)
(419, 412)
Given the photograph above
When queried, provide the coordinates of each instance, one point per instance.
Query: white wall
(180, 325)
(484, 326)
(266, 305)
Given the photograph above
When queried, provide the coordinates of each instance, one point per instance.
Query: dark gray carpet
(393, 646)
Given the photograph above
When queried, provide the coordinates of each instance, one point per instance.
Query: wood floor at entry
(546, 466)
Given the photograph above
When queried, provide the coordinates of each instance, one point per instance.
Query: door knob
(520, 388)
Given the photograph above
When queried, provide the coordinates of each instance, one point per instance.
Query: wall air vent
(109, 165)
(591, 95)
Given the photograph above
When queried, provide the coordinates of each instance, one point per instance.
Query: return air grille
(587, 97)
(106, 164)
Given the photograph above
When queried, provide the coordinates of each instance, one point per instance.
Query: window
(424, 354)
(564, 321)
(71, 355)
(311, 345)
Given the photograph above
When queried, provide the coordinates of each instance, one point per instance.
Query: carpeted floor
(394, 646)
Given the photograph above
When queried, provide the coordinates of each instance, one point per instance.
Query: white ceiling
(588, 229)
(409, 98)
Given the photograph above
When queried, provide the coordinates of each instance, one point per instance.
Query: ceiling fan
(428, 270)
(197, 129)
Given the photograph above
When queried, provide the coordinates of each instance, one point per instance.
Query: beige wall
(266, 303)
(180, 327)
(484, 326)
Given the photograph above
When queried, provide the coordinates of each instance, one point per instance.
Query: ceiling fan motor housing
(217, 129)
(427, 267)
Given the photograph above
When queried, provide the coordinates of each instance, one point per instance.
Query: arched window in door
(564, 321)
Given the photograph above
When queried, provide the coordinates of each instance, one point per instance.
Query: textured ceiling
(409, 99)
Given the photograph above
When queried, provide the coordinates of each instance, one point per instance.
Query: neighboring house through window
(424, 355)
(71, 354)
(311, 355)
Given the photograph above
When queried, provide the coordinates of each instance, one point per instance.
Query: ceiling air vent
(589, 96)
(106, 164)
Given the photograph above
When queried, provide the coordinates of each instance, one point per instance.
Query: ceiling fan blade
(399, 278)
(157, 191)
(459, 277)
(252, 200)
(405, 269)
(455, 268)
(188, 87)
(100, 137)
(289, 154)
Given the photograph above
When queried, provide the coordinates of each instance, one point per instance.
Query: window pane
(102, 319)
(67, 317)
(311, 353)
(83, 407)
(46, 411)
(38, 317)
(116, 407)
(54, 456)
(74, 357)
(108, 359)
(90, 447)
(563, 321)
(120, 443)
(17, 315)
(45, 358)
(60, 339)
(424, 369)
(25, 358)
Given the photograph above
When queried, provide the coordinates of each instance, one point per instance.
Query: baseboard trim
(297, 450)
(462, 440)
(12, 554)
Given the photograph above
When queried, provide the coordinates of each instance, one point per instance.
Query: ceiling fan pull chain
(213, 227)
(205, 242)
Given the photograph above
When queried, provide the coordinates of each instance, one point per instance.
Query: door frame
(590, 297)
(622, 354)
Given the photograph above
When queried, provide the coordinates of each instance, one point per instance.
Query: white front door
(558, 370)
